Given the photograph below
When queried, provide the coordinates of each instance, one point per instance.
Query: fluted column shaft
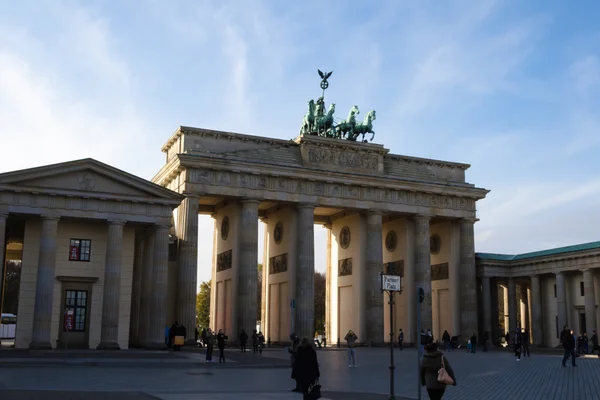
(136, 290)
(146, 290)
(187, 273)
(44, 287)
(536, 311)
(468, 279)
(158, 316)
(3, 218)
(512, 305)
(328, 278)
(372, 282)
(109, 334)
(247, 267)
(487, 306)
(423, 270)
(524, 307)
(590, 300)
(305, 271)
(561, 300)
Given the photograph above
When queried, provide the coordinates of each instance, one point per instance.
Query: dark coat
(221, 338)
(569, 342)
(307, 367)
(431, 364)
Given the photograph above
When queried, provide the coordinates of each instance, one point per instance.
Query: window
(581, 291)
(79, 250)
(555, 290)
(76, 300)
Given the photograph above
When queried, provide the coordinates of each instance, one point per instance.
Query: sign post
(420, 298)
(292, 314)
(391, 284)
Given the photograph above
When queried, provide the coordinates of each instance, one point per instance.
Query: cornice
(314, 174)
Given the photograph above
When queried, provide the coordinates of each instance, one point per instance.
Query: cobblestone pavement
(492, 375)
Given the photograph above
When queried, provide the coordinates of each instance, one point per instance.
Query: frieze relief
(224, 260)
(278, 264)
(343, 158)
(349, 191)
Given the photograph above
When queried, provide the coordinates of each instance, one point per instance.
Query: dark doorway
(582, 323)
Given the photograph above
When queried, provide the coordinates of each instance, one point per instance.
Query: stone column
(328, 285)
(487, 306)
(408, 284)
(187, 271)
(44, 287)
(3, 218)
(536, 311)
(109, 334)
(590, 300)
(372, 283)
(136, 291)
(512, 305)
(524, 307)
(561, 300)
(160, 273)
(305, 271)
(247, 267)
(423, 270)
(147, 289)
(468, 279)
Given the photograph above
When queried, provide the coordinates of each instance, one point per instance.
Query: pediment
(87, 177)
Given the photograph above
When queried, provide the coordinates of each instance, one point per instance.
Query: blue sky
(511, 87)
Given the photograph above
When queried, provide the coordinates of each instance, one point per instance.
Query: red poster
(69, 321)
(74, 253)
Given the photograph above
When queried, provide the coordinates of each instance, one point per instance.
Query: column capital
(116, 222)
(375, 212)
(248, 200)
(50, 217)
(469, 220)
(417, 217)
(191, 196)
(305, 205)
(561, 273)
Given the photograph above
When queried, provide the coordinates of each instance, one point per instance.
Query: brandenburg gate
(383, 212)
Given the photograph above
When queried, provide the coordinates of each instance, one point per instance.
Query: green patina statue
(318, 123)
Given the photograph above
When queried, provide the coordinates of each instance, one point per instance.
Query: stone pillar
(561, 300)
(187, 271)
(44, 287)
(328, 280)
(468, 279)
(158, 302)
(454, 278)
(408, 284)
(372, 283)
(147, 289)
(487, 306)
(423, 270)
(536, 311)
(136, 291)
(109, 334)
(247, 267)
(3, 218)
(524, 307)
(305, 271)
(512, 305)
(590, 300)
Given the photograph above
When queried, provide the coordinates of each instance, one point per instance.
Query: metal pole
(392, 396)
(418, 347)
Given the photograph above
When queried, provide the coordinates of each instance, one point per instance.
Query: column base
(108, 346)
(155, 346)
(40, 346)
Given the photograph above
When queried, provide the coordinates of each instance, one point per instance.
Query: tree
(259, 294)
(320, 281)
(203, 305)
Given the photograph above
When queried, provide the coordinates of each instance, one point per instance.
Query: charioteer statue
(320, 123)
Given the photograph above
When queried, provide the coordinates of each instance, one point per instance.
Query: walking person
(221, 338)
(525, 341)
(569, 346)
(293, 352)
(210, 343)
(517, 344)
(203, 337)
(446, 341)
(486, 337)
(400, 339)
(307, 366)
(432, 362)
(351, 339)
(261, 342)
(254, 341)
(243, 340)
(594, 341)
(473, 343)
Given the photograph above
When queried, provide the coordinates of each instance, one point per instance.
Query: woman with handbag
(436, 372)
(307, 372)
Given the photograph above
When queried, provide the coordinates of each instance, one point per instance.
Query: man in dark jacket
(430, 366)
(594, 340)
(569, 345)
(293, 350)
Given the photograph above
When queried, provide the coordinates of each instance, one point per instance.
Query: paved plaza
(130, 375)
